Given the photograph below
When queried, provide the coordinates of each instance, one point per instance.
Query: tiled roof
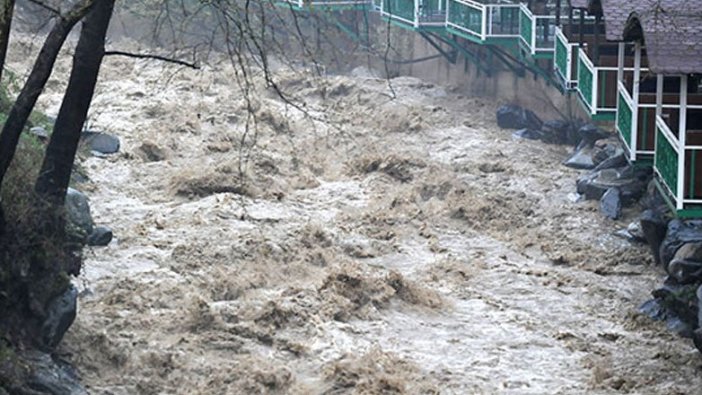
(616, 13)
(672, 32)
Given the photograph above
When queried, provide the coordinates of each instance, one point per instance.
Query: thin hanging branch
(155, 57)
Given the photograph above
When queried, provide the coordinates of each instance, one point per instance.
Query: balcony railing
(415, 13)
(666, 157)
(329, 3)
(480, 22)
(564, 59)
(625, 116)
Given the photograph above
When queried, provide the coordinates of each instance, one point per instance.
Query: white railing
(495, 10)
(631, 144)
(394, 16)
(547, 23)
(568, 78)
(479, 8)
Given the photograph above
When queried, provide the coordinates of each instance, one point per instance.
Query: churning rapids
(365, 245)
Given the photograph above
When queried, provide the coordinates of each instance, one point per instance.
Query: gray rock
(527, 134)
(583, 158)
(102, 143)
(686, 266)
(52, 376)
(514, 117)
(591, 133)
(40, 132)
(79, 221)
(680, 303)
(616, 160)
(558, 131)
(654, 228)
(636, 232)
(611, 203)
(101, 236)
(60, 314)
(678, 234)
(593, 185)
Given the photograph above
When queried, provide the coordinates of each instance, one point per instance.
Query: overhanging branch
(155, 57)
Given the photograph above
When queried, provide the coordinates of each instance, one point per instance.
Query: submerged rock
(102, 143)
(101, 236)
(611, 203)
(514, 117)
(61, 313)
(528, 134)
(51, 376)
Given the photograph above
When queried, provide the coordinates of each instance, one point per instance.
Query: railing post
(594, 88)
(416, 13)
(483, 30)
(533, 34)
(635, 99)
(659, 95)
(620, 80)
(682, 137)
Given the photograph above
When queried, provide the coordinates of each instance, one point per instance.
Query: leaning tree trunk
(17, 118)
(55, 173)
(6, 9)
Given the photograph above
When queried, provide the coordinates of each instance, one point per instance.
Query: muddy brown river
(368, 244)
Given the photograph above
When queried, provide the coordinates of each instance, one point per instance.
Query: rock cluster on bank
(675, 244)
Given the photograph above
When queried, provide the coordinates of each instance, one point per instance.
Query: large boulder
(100, 142)
(680, 304)
(616, 160)
(594, 185)
(511, 116)
(686, 266)
(79, 221)
(60, 314)
(654, 228)
(101, 236)
(678, 234)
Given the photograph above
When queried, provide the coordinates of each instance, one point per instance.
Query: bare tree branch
(155, 57)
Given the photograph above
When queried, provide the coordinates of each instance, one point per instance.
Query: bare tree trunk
(6, 10)
(58, 162)
(34, 85)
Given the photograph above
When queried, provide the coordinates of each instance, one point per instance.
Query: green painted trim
(604, 116)
(543, 55)
(689, 213)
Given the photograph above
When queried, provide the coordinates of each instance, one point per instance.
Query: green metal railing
(403, 9)
(526, 27)
(624, 117)
(467, 17)
(666, 157)
(562, 57)
(586, 78)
